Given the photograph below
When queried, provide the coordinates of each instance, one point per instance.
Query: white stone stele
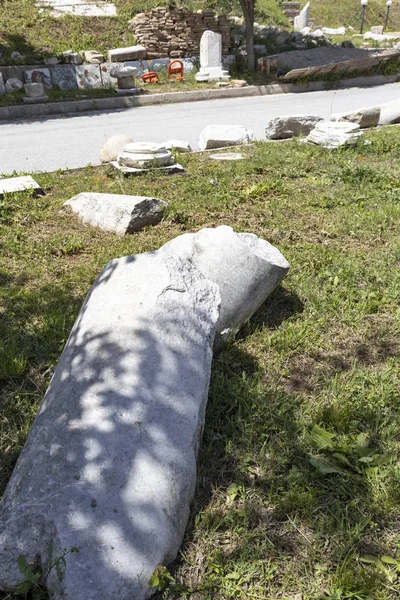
(116, 212)
(211, 58)
(109, 465)
(113, 146)
(301, 20)
(289, 126)
(364, 117)
(19, 184)
(332, 134)
(219, 136)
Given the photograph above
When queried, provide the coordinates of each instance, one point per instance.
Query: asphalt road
(70, 142)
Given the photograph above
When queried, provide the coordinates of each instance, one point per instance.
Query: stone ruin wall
(176, 32)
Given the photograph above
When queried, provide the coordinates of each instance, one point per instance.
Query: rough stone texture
(122, 72)
(13, 85)
(285, 127)
(219, 136)
(113, 147)
(34, 90)
(390, 113)
(142, 155)
(35, 99)
(176, 32)
(19, 184)
(109, 466)
(110, 463)
(115, 212)
(377, 29)
(245, 268)
(2, 86)
(93, 57)
(72, 58)
(128, 53)
(211, 58)
(364, 117)
(335, 134)
(178, 145)
(301, 20)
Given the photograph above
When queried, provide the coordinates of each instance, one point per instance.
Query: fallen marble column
(364, 117)
(109, 466)
(245, 268)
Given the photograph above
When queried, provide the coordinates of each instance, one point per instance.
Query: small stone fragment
(286, 127)
(19, 184)
(364, 117)
(13, 85)
(335, 134)
(178, 145)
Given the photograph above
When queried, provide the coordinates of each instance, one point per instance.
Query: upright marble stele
(301, 20)
(211, 58)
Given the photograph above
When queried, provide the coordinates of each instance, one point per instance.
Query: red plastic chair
(175, 70)
(151, 77)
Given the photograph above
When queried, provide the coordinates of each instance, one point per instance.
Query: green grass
(298, 470)
(348, 12)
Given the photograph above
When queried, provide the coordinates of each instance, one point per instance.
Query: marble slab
(88, 77)
(39, 75)
(64, 77)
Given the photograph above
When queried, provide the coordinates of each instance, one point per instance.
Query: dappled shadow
(11, 41)
(113, 448)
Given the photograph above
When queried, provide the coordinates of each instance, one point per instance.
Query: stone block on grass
(109, 466)
(116, 212)
(286, 127)
(219, 136)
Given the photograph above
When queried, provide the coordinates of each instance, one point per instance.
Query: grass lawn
(298, 492)
(348, 12)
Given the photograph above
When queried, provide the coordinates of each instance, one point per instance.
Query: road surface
(53, 143)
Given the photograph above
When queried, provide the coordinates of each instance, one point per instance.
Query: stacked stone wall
(176, 32)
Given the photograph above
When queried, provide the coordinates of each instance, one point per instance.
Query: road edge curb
(22, 112)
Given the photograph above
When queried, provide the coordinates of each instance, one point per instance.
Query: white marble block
(211, 58)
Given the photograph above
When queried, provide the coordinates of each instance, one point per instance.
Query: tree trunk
(248, 13)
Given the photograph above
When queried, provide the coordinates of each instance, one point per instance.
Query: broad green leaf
(154, 581)
(372, 560)
(322, 438)
(389, 560)
(362, 440)
(234, 575)
(326, 466)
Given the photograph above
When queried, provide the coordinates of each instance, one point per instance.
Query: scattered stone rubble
(286, 127)
(330, 134)
(109, 466)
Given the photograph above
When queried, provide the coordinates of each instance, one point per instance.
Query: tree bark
(248, 13)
